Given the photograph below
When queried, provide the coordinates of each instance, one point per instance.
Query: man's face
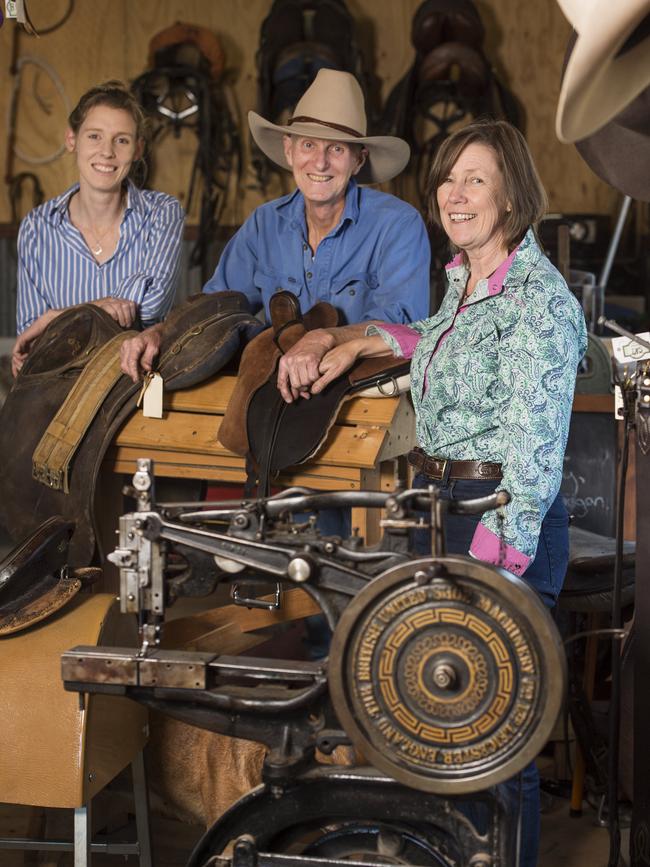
(321, 168)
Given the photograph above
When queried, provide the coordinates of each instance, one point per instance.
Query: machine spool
(447, 674)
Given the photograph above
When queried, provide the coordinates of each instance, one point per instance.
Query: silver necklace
(97, 250)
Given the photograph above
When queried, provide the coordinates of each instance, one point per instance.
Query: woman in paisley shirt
(492, 373)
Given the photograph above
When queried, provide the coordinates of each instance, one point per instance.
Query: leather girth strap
(57, 446)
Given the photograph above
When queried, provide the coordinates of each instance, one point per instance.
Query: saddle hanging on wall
(199, 338)
(183, 88)
(272, 434)
(450, 83)
(297, 39)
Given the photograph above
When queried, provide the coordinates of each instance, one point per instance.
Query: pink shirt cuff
(405, 337)
(486, 546)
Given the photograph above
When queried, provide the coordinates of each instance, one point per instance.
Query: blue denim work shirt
(373, 265)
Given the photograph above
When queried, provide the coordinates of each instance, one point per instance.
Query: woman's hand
(122, 310)
(298, 368)
(337, 361)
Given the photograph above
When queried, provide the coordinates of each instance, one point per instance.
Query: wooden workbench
(362, 448)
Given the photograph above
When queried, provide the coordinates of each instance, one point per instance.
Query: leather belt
(442, 469)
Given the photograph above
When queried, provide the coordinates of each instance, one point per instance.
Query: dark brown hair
(114, 94)
(522, 186)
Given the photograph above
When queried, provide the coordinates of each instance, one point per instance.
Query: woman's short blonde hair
(522, 186)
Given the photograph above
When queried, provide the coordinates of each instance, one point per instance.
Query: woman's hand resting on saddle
(121, 310)
(301, 374)
(338, 361)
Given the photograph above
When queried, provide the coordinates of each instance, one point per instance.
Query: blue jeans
(546, 574)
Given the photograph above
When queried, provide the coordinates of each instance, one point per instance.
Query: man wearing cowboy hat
(364, 251)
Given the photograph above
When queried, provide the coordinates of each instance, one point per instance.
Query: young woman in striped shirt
(103, 241)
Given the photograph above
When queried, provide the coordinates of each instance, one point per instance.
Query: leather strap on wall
(53, 454)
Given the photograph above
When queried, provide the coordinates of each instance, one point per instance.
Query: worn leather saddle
(35, 581)
(272, 434)
(200, 336)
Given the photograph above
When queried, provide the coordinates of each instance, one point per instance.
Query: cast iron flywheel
(447, 674)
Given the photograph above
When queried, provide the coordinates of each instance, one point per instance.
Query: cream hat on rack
(608, 67)
(332, 108)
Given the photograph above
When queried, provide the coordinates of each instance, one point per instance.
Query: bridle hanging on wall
(450, 83)
(183, 89)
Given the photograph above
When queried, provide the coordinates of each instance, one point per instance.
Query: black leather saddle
(258, 423)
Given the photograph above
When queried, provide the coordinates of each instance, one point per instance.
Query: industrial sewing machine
(445, 674)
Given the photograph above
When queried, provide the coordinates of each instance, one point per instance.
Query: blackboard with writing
(589, 472)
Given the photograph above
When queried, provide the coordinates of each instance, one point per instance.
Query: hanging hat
(619, 153)
(609, 65)
(332, 108)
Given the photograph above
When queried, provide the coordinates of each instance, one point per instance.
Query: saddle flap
(258, 364)
(291, 432)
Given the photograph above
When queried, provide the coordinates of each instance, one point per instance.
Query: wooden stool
(62, 748)
(588, 589)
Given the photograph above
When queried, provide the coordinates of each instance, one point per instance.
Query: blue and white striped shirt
(56, 269)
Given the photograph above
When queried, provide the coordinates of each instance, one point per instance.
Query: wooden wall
(109, 38)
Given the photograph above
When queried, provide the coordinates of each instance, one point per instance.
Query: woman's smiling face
(472, 200)
(105, 147)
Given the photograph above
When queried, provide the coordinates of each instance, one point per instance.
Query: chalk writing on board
(579, 506)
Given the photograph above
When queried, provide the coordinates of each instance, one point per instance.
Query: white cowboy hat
(332, 108)
(608, 67)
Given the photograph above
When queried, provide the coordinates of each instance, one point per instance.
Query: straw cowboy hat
(608, 67)
(332, 108)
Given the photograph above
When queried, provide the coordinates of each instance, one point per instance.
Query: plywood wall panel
(88, 48)
(109, 38)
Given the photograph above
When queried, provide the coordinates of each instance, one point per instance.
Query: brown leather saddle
(258, 424)
(35, 581)
(199, 338)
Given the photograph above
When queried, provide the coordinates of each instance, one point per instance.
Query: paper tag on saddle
(152, 396)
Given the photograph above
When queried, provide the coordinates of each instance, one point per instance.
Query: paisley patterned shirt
(493, 380)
